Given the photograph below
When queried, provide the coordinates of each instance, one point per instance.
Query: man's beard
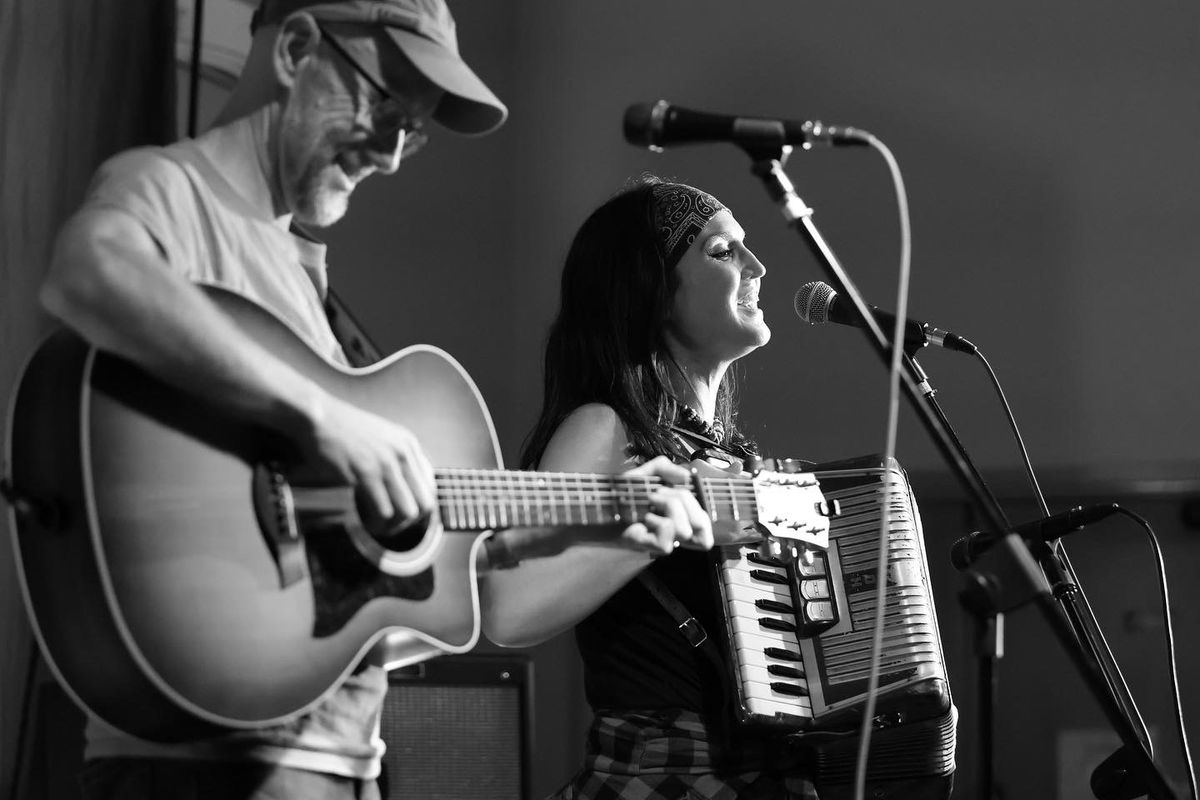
(319, 204)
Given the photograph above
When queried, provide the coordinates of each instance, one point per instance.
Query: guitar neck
(477, 499)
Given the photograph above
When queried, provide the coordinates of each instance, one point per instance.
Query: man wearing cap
(331, 93)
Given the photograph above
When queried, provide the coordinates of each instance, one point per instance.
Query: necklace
(692, 420)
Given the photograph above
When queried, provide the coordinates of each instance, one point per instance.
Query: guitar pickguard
(343, 581)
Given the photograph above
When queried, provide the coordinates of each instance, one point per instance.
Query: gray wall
(1048, 151)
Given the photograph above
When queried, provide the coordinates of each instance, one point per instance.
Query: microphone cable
(893, 413)
(1169, 635)
(1060, 553)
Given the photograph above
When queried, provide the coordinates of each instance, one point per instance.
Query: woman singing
(659, 299)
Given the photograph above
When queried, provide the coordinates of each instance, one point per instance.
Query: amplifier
(459, 728)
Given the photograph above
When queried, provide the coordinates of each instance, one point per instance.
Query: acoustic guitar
(179, 585)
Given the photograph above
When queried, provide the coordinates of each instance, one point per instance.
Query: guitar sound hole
(406, 538)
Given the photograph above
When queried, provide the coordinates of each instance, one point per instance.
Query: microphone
(662, 124)
(966, 550)
(817, 303)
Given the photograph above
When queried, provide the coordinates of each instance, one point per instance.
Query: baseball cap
(425, 31)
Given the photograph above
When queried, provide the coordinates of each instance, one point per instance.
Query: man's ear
(298, 38)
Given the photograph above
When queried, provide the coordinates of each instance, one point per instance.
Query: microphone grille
(812, 302)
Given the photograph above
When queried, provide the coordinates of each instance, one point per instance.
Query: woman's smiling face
(714, 312)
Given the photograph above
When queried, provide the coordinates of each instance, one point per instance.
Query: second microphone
(817, 303)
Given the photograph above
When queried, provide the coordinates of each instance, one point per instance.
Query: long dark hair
(607, 344)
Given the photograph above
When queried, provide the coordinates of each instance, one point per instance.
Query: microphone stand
(989, 622)
(768, 165)
(1134, 760)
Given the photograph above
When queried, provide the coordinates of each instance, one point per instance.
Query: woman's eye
(721, 254)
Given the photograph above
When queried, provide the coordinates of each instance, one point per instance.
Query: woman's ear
(298, 38)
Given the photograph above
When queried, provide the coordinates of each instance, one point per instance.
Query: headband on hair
(680, 213)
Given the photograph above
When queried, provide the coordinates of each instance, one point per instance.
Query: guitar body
(155, 595)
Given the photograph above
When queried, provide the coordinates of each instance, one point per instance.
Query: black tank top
(635, 656)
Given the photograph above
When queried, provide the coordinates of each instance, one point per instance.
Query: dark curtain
(79, 81)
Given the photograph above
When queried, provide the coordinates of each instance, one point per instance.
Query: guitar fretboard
(478, 499)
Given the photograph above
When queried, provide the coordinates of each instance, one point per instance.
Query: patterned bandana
(680, 213)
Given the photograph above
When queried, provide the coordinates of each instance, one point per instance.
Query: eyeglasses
(388, 114)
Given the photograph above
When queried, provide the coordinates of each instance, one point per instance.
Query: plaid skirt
(669, 755)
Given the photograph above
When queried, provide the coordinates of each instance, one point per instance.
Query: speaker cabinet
(459, 728)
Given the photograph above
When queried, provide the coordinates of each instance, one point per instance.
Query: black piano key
(790, 688)
(774, 605)
(777, 624)
(784, 671)
(782, 654)
(766, 561)
(768, 576)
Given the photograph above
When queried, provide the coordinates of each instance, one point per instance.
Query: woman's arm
(546, 596)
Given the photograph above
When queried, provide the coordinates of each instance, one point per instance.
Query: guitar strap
(360, 350)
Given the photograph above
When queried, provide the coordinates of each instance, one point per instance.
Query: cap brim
(469, 105)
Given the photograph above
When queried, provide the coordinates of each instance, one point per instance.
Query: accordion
(799, 634)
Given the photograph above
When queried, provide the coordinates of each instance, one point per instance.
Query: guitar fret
(594, 498)
(501, 507)
(548, 483)
(565, 501)
(460, 512)
(579, 500)
(469, 504)
(492, 522)
(525, 500)
(709, 500)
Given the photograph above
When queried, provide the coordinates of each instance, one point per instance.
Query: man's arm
(546, 596)
(109, 281)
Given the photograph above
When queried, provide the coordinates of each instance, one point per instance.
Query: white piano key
(768, 708)
(747, 592)
(754, 637)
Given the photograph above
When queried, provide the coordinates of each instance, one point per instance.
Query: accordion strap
(689, 626)
(696, 636)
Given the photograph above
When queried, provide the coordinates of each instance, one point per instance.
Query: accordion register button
(819, 611)
(814, 589)
(817, 567)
